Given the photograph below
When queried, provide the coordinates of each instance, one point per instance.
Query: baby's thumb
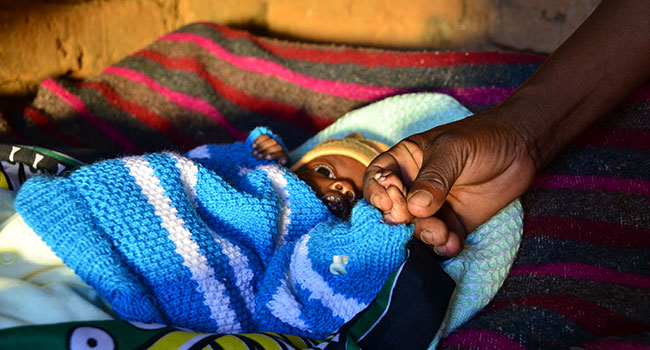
(432, 184)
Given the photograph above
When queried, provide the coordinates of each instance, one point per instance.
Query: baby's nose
(343, 187)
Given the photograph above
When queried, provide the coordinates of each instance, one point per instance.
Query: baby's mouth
(337, 204)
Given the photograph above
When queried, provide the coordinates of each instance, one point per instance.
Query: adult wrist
(532, 122)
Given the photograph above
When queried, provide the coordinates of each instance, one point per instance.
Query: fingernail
(426, 236)
(283, 161)
(268, 157)
(421, 198)
(372, 200)
(377, 176)
(254, 145)
(440, 250)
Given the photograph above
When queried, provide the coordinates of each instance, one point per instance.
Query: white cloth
(35, 286)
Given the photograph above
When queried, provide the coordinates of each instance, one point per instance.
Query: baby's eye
(325, 171)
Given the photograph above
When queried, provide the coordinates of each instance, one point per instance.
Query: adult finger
(444, 232)
(432, 231)
(441, 166)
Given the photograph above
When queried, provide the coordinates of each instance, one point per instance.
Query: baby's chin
(337, 204)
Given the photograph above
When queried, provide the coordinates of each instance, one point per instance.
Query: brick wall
(39, 38)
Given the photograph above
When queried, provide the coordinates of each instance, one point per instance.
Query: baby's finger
(260, 139)
(267, 143)
(387, 178)
(399, 213)
(376, 195)
(279, 156)
(271, 148)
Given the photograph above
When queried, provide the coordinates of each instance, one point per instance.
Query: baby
(224, 238)
(333, 169)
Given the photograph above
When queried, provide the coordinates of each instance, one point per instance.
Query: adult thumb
(430, 188)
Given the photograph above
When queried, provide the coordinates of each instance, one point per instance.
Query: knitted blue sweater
(215, 241)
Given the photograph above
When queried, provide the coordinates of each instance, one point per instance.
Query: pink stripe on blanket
(584, 272)
(581, 182)
(183, 100)
(80, 108)
(266, 67)
(480, 338)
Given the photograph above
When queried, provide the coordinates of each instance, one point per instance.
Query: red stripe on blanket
(274, 109)
(78, 105)
(373, 59)
(587, 231)
(266, 67)
(642, 94)
(619, 138)
(183, 100)
(46, 125)
(144, 115)
(614, 344)
(581, 182)
(584, 272)
(481, 338)
(590, 316)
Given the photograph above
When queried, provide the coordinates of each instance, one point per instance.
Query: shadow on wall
(75, 38)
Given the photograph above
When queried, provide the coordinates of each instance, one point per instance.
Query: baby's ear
(355, 135)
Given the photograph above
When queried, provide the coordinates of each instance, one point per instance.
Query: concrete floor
(77, 38)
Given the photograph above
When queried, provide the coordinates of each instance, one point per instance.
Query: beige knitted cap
(354, 146)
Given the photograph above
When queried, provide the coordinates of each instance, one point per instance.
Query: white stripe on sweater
(236, 258)
(279, 184)
(304, 274)
(213, 291)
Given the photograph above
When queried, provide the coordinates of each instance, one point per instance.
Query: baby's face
(337, 181)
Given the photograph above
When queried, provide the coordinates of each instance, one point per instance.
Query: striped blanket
(582, 276)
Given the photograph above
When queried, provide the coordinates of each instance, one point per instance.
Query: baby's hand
(398, 213)
(266, 147)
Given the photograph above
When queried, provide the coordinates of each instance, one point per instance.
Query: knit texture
(216, 241)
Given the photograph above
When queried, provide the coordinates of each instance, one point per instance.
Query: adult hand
(465, 172)
(454, 178)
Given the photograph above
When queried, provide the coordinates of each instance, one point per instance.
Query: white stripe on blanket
(212, 290)
(237, 260)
